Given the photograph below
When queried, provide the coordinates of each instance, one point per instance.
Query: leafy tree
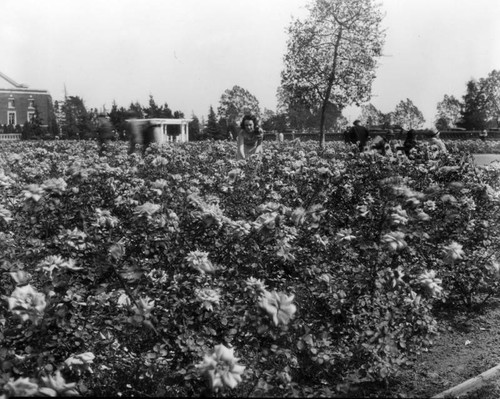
(491, 87)
(235, 103)
(341, 124)
(212, 130)
(274, 121)
(331, 55)
(77, 121)
(474, 114)
(371, 116)
(407, 115)
(448, 113)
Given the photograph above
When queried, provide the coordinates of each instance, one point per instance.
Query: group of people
(360, 136)
(250, 137)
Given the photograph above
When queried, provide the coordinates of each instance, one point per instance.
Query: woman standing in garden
(249, 140)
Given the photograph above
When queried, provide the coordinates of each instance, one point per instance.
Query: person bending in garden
(410, 142)
(435, 139)
(250, 137)
(359, 134)
(104, 133)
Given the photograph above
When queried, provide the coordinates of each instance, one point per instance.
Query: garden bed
(306, 273)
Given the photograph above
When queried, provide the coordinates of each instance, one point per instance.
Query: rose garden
(187, 273)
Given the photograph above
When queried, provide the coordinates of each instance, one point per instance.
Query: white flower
(431, 283)
(255, 284)
(144, 307)
(5, 214)
(453, 252)
(363, 210)
(57, 385)
(34, 192)
(104, 218)
(398, 216)
(279, 306)
(27, 303)
(345, 235)
(430, 205)
(20, 277)
(50, 263)
(199, 260)
(22, 387)
(208, 297)
(494, 268)
(394, 241)
(57, 186)
(422, 215)
(81, 361)
(123, 300)
(147, 209)
(221, 368)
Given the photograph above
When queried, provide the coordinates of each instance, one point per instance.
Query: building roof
(13, 84)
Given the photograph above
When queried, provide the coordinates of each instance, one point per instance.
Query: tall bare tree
(331, 55)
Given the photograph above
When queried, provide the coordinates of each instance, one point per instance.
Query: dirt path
(468, 345)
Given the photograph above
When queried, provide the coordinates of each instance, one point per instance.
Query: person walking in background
(135, 133)
(104, 133)
(250, 137)
(483, 134)
(141, 132)
(148, 136)
(359, 134)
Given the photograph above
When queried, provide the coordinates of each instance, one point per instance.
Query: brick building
(18, 103)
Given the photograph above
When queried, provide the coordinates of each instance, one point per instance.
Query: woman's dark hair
(249, 118)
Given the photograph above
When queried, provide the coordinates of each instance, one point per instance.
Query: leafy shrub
(319, 270)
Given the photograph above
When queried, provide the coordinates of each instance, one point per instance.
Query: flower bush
(321, 268)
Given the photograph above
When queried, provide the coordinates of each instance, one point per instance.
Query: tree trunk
(326, 99)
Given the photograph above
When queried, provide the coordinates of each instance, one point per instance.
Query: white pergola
(161, 133)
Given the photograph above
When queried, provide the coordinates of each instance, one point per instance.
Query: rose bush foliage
(320, 270)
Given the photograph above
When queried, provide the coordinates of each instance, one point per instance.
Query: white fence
(10, 136)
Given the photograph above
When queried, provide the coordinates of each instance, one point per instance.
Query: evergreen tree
(136, 111)
(474, 116)
(77, 121)
(212, 130)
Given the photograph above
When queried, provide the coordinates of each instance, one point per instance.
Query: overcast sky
(188, 52)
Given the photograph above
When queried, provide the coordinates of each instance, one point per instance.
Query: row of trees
(329, 64)
(479, 108)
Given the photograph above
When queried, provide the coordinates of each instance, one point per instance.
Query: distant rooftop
(12, 82)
